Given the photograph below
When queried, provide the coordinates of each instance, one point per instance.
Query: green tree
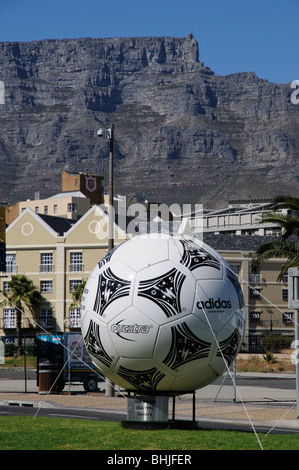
(286, 246)
(77, 294)
(22, 293)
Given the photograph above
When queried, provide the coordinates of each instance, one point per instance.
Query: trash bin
(48, 375)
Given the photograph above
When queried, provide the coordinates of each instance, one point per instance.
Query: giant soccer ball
(162, 315)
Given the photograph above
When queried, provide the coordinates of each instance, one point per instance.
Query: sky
(258, 36)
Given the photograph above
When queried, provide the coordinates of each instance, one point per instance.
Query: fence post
(293, 285)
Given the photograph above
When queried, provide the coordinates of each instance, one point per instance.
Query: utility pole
(110, 388)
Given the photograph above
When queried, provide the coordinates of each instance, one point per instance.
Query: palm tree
(22, 293)
(286, 246)
(77, 294)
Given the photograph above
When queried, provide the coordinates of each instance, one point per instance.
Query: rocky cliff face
(182, 133)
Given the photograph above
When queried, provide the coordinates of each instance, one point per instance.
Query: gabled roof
(69, 194)
(37, 217)
(99, 213)
(59, 224)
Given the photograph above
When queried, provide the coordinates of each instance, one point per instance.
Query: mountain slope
(182, 133)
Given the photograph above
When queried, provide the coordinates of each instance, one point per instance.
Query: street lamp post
(111, 210)
(110, 134)
(110, 389)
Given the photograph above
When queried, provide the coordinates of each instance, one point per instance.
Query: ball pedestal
(147, 408)
(151, 412)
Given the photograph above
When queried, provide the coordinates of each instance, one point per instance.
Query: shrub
(269, 358)
(31, 349)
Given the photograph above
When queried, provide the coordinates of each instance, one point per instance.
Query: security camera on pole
(293, 284)
(110, 390)
(110, 134)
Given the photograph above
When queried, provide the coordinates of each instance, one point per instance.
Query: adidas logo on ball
(143, 323)
(212, 303)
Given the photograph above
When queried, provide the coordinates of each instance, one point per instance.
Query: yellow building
(266, 299)
(79, 191)
(56, 254)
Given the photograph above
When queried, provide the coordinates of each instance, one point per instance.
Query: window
(274, 232)
(255, 277)
(249, 232)
(9, 318)
(72, 207)
(75, 318)
(287, 317)
(76, 262)
(46, 287)
(36, 209)
(255, 317)
(255, 343)
(74, 283)
(46, 260)
(11, 263)
(235, 269)
(46, 317)
(55, 209)
(285, 295)
(46, 210)
(6, 287)
(255, 294)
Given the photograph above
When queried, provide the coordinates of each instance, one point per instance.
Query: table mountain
(182, 133)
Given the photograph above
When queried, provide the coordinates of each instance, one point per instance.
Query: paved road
(258, 386)
(283, 382)
(95, 415)
(286, 381)
(89, 414)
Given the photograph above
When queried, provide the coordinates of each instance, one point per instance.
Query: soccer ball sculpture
(162, 315)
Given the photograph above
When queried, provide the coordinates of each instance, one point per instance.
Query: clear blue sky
(234, 36)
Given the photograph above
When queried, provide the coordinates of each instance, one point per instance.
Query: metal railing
(46, 268)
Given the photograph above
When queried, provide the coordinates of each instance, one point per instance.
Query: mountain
(182, 133)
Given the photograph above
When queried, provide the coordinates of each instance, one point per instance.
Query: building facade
(239, 218)
(266, 299)
(56, 254)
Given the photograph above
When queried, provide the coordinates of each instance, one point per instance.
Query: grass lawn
(19, 362)
(245, 363)
(28, 433)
